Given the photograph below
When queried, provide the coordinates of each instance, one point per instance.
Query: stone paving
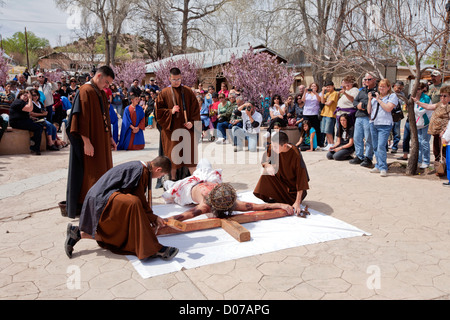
(405, 257)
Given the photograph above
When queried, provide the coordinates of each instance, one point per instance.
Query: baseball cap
(436, 73)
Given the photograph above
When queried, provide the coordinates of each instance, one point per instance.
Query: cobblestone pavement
(405, 257)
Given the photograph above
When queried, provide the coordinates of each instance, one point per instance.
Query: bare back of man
(201, 191)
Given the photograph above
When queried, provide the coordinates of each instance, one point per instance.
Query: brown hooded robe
(291, 177)
(185, 153)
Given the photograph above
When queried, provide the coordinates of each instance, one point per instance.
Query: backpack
(397, 113)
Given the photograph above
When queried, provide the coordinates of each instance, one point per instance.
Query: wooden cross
(231, 225)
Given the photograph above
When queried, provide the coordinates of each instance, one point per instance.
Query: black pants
(29, 125)
(341, 155)
(49, 116)
(59, 115)
(304, 147)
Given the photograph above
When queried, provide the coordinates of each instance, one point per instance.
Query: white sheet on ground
(206, 247)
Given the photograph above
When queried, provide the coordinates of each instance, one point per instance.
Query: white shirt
(47, 89)
(344, 102)
(446, 135)
(247, 125)
(276, 111)
(383, 118)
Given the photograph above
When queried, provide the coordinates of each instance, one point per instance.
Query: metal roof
(213, 58)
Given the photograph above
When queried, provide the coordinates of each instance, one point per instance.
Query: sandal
(166, 253)
(72, 237)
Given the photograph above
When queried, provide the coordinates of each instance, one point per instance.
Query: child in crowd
(308, 138)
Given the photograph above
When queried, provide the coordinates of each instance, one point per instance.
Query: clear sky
(39, 16)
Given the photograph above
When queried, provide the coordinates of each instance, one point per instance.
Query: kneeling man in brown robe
(117, 214)
(285, 177)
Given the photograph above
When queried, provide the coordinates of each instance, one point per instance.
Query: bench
(293, 134)
(16, 141)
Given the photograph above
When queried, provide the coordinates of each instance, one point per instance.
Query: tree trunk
(113, 49)
(411, 169)
(184, 27)
(158, 40)
(107, 48)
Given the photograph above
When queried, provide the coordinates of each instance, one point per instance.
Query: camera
(309, 90)
(373, 91)
(249, 108)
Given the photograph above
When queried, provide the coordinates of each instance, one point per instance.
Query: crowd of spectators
(350, 123)
(43, 106)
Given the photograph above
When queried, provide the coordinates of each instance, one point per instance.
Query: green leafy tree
(15, 46)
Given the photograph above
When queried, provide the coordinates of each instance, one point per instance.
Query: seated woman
(39, 116)
(308, 137)
(290, 110)
(277, 115)
(19, 118)
(344, 147)
(133, 126)
(225, 109)
(298, 112)
(6, 98)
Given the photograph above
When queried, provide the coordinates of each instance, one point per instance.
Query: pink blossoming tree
(54, 76)
(129, 71)
(4, 69)
(258, 75)
(189, 71)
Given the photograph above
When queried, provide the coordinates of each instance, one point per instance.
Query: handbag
(292, 122)
(440, 166)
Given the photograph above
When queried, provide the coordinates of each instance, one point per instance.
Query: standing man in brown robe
(285, 177)
(176, 109)
(89, 131)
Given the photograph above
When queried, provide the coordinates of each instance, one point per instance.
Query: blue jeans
(406, 137)
(362, 131)
(119, 108)
(240, 135)
(222, 129)
(380, 135)
(447, 152)
(50, 130)
(396, 134)
(424, 145)
(327, 125)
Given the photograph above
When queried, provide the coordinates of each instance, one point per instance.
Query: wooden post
(235, 230)
(26, 48)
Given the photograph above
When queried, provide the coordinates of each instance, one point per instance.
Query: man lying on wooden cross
(211, 196)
